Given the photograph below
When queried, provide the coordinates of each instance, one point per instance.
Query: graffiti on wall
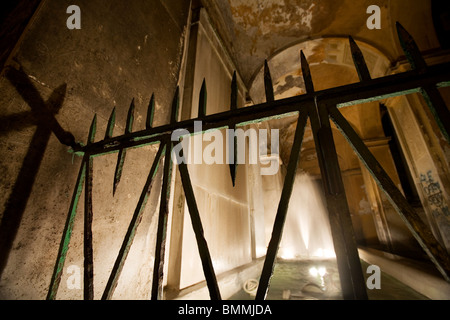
(436, 201)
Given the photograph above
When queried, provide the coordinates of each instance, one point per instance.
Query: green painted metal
(348, 95)
(67, 234)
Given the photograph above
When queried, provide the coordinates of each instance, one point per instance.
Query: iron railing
(318, 107)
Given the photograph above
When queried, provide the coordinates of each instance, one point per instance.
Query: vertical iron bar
(349, 265)
(67, 233)
(418, 228)
(202, 245)
(88, 216)
(158, 268)
(134, 223)
(283, 205)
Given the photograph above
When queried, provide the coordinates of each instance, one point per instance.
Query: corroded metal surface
(318, 106)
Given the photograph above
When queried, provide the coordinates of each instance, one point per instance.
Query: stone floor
(299, 281)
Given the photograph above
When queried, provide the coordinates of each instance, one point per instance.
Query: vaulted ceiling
(254, 30)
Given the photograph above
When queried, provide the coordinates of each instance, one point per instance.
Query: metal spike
(111, 122)
(283, 206)
(306, 73)
(123, 152)
(359, 61)
(130, 118)
(268, 86)
(92, 130)
(202, 101)
(150, 113)
(234, 92)
(202, 245)
(411, 49)
(175, 106)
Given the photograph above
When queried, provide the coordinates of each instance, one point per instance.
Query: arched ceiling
(254, 30)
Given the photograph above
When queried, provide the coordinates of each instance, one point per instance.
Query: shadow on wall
(42, 115)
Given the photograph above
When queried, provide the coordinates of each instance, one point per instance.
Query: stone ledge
(422, 277)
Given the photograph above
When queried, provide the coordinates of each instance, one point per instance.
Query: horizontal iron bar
(352, 94)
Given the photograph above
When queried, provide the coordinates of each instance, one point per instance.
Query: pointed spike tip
(175, 106)
(111, 123)
(150, 112)
(92, 129)
(202, 100)
(268, 85)
(130, 118)
(233, 170)
(410, 48)
(359, 61)
(306, 73)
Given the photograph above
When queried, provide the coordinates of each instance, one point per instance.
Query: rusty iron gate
(317, 106)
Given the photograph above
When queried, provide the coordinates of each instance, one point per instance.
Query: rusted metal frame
(67, 233)
(132, 228)
(88, 252)
(418, 228)
(357, 93)
(283, 205)
(202, 245)
(160, 248)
